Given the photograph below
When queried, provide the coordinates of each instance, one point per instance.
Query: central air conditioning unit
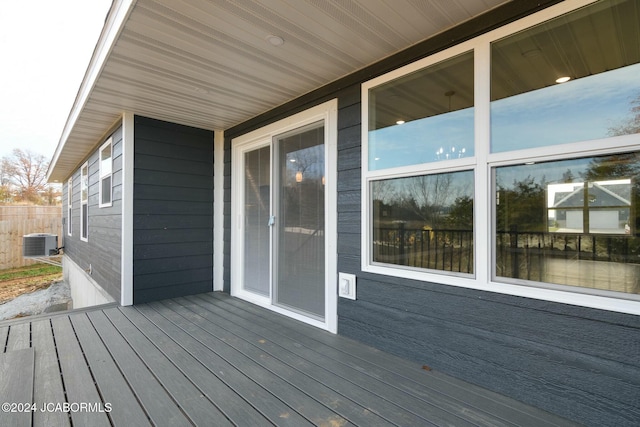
(39, 245)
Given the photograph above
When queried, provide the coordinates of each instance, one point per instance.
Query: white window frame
(69, 206)
(84, 189)
(444, 166)
(105, 174)
(483, 164)
(327, 113)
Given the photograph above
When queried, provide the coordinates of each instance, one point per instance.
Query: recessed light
(275, 40)
(563, 79)
(400, 122)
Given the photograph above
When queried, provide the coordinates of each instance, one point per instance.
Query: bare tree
(632, 124)
(429, 194)
(26, 172)
(5, 181)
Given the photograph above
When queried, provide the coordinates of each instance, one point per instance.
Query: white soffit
(209, 64)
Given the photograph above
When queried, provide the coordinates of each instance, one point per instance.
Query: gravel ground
(56, 297)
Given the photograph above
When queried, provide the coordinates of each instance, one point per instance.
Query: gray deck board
(47, 380)
(256, 396)
(16, 386)
(395, 407)
(431, 407)
(193, 402)
(298, 399)
(398, 372)
(211, 359)
(19, 337)
(223, 396)
(4, 331)
(112, 385)
(77, 377)
(324, 400)
(162, 410)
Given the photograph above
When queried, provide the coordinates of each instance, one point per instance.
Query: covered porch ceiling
(215, 64)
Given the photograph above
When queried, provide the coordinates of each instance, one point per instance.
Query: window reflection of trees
(529, 245)
(425, 221)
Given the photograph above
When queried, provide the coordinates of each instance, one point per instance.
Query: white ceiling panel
(208, 64)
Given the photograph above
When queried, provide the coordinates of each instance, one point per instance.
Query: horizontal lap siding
(173, 210)
(103, 248)
(577, 362)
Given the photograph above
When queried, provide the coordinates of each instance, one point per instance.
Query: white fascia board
(114, 23)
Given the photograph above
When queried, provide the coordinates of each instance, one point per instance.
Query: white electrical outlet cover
(347, 285)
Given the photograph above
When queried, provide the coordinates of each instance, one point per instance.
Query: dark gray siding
(172, 210)
(103, 248)
(577, 362)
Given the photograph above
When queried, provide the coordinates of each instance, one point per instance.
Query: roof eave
(114, 23)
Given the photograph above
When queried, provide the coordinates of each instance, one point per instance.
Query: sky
(45, 48)
(580, 110)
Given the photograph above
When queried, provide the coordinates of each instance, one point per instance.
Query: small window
(571, 79)
(84, 202)
(69, 205)
(424, 222)
(423, 117)
(570, 222)
(106, 168)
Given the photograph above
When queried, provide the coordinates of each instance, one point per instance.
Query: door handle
(272, 221)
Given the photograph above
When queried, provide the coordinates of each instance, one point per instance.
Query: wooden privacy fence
(16, 221)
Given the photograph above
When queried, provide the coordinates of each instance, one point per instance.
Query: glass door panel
(299, 247)
(257, 208)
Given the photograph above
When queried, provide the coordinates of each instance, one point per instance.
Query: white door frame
(327, 112)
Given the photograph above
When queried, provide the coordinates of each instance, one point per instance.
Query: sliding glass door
(283, 217)
(299, 246)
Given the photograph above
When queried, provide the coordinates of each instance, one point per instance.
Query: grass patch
(23, 280)
(29, 271)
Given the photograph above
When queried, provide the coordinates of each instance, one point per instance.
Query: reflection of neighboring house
(608, 206)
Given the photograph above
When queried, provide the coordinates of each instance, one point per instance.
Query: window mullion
(482, 202)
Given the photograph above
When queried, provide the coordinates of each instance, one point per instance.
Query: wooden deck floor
(213, 360)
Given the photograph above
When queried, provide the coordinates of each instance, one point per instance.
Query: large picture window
(84, 202)
(511, 162)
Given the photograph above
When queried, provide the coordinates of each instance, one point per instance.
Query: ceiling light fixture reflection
(563, 79)
(400, 122)
(450, 153)
(532, 53)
